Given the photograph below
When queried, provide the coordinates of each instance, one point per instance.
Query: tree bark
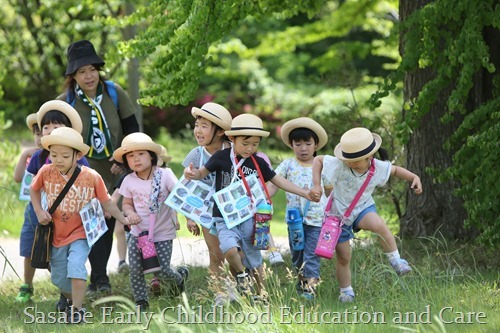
(437, 209)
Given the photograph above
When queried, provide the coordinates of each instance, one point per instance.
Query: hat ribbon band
(213, 114)
(361, 152)
(246, 128)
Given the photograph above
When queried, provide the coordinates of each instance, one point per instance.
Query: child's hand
(193, 227)
(416, 185)
(107, 215)
(316, 193)
(133, 218)
(190, 172)
(311, 197)
(43, 217)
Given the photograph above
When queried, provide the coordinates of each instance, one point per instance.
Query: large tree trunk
(437, 209)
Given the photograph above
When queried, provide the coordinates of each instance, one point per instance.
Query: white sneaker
(275, 258)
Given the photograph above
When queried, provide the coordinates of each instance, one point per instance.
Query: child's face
(360, 166)
(63, 158)
(304, 149)
(87, 78)
(37, 135)
(48, 128)
(139, 160)
(245, 146)
(203, 131)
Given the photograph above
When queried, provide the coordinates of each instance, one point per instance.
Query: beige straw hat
(357, 144)
(303, 122)
(31, 120)
(136, 141)
(68, 110)
(65, 136)
(247, 125)
(163, 158)
(215, 113)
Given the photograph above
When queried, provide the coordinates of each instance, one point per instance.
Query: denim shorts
(28, 231)
(347, 231)
(68, 262)
(240, 236)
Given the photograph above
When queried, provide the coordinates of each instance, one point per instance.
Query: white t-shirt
(301, 175)
(346, 183)
(140, 190)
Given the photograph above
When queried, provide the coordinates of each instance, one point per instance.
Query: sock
(393, 256)
(349, 288)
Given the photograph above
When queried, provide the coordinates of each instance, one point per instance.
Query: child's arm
(195, 174)
(409, 176)
(21, 164)
(113, 209)
(36, 200)
(128, 208)
(272, 189)
(288, 186)
(317, 168)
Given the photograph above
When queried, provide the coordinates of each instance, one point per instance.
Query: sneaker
(346, 296)
(75, 316)
(63, 304)
(123, 267)
(91, 288)
(103, 285)
(275, 258)
(155, 286)
(25, 293)
(244, 284)
(184, 272)
(401, 266)
(142, 305)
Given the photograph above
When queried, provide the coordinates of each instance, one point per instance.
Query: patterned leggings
(137, 280)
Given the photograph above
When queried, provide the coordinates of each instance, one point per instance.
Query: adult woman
(107, 115)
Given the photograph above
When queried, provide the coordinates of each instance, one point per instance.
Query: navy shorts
(28, 231)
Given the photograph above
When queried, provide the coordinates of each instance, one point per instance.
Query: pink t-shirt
(139, 191)
(68, 225)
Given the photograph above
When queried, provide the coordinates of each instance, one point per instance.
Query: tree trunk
(437, 209)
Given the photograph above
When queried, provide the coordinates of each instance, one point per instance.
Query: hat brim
(54, 139)
(83, 61)
(61, 106)
(304, 122)
(248, 132)
(151, 146)
(338, 150)
(31, 120)
(197, 112)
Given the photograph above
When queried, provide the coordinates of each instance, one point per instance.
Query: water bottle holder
(329, 236)
(261, 230)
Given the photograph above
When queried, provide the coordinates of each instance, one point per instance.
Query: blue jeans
(28, 231)
(305, 261)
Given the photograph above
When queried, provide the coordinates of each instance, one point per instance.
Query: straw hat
(303, 122)
(65, 136)
(247, 125)
(163, 158)
(68, 110)
(136, 141)
(81, 53)
(357, 144)
(215, 113)
(31, 120)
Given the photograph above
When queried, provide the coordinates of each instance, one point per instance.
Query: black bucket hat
(82, 53)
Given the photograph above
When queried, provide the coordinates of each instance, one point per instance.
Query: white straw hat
(303, 122)
(214, 112)
(357, 144)
(136, 141)
(163, 158)
(31, 120)
(68, 110)
(65, 136)
(247, 125)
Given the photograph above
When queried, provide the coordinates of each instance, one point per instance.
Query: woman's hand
(115, 168)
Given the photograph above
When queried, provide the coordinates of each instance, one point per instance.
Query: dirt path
(190, 251)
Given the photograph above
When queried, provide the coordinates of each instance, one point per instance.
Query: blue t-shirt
(35, 164)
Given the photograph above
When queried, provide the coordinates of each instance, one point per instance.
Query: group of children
(227, 152)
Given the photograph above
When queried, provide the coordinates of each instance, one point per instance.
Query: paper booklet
(93, 221)
(24, 193)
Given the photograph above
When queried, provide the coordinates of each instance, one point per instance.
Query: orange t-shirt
(89, 184)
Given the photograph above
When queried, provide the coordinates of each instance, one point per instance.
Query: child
(246, 133)
(29, 225)
(305, 136)
(140, 154)
(347, 171)
(69, 246)
(51, 115)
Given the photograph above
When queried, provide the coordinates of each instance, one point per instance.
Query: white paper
(93, 221)
(24, 193)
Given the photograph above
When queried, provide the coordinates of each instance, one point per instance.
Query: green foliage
(449, 38)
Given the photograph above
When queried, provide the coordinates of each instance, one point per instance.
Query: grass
(453, 288)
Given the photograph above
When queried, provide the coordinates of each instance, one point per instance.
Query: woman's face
(87, 78)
